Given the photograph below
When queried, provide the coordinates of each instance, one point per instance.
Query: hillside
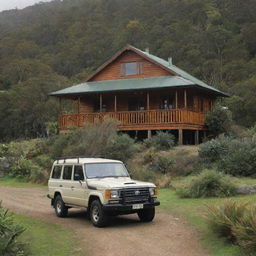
(52, 45)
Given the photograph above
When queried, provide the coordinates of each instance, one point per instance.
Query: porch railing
(135, 118)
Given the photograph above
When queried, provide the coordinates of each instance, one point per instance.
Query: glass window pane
(56, 172)
(101, 170)
(130, 68)
(67, 173)
(78, 173)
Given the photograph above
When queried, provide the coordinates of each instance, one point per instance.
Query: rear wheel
(147, 215)
(60, 209)
(98, 218)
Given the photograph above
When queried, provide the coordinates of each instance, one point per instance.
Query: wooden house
(145, 93)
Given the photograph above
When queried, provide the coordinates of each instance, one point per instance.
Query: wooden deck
(139, 120)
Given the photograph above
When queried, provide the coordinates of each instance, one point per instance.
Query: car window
(56, 172)
(78, 173)
(67, 172)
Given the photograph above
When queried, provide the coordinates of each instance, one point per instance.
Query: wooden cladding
(139, 120)
(115, 70)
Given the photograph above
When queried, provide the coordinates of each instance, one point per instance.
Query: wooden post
(100, 102)
(180, 141)
(78, 105)
(115, 104)
(147, 100)
(60, 105)
(185, 98)
(196, 137)
(149, 134)
(176, 99)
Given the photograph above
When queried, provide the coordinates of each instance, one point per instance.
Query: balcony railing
(136, 119)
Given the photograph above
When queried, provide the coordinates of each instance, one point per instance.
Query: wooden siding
(113, 70)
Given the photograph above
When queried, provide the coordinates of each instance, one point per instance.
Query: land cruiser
(103, 186)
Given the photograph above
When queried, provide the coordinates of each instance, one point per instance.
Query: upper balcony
(139, 120)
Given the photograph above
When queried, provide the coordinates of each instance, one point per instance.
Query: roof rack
(73, 157)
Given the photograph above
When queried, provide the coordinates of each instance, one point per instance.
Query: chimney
(147, 50)
(170, 61)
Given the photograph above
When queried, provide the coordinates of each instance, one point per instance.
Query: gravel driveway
(126, 236)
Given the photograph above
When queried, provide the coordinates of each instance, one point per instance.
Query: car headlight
(153, 192)
(114, 194)
(111, 194)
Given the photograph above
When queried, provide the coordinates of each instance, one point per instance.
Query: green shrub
(213, 150)
(141, 173)
(231, 156)
(161, 141)
(98, 140)
(240, 160)
(219, 120)
(9, 236)
(224, 219)
(121, 147)
(209, 183)
(162, 163)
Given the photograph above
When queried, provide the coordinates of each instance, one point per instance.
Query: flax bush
(236, 222)
(9, 236)
(209, 183)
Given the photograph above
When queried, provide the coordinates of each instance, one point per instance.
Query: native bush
(245, 230)
(223, 219)
(213, 150)
(9, 236)
(219, 120)
(98, 140)
(121, 147)
(236, 222)
(240, 160)
(161, 141)
(162, 163)
(209, 183)
(235, 156)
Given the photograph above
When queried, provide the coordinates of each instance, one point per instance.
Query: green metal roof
(177, 70)
(126, 85)
(182, 79)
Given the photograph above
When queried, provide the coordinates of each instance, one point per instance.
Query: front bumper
(127, 207)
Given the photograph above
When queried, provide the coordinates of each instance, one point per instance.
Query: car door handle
(72, 187)
(60, 186)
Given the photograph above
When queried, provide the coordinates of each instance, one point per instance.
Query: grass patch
(18, 182)
(193, 210)
(48, 239)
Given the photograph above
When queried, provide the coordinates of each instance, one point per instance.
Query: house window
(131, 68)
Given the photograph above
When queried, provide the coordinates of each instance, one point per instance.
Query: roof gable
(129, 54)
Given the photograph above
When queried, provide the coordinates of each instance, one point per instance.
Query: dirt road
(126, 236)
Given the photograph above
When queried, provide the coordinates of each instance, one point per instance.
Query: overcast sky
(12, 4)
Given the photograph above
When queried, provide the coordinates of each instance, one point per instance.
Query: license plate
(137, 206)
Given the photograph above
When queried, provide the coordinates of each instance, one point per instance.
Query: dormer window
(131, 68)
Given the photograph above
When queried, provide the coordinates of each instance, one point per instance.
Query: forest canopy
(54, 45)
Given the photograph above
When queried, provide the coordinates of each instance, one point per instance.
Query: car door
(78, 186)
(67, 184)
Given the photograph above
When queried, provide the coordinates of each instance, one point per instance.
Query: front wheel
(147, 215)
(98, 218)
(60, 209)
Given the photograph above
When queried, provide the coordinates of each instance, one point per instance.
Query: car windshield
(104, 170)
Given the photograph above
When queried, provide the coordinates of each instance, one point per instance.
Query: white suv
(103, 186)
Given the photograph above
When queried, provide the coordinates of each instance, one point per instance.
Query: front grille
(135, 195)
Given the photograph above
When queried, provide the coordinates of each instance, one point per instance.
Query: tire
(60, 209)
(147, 215)
(97, 216)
